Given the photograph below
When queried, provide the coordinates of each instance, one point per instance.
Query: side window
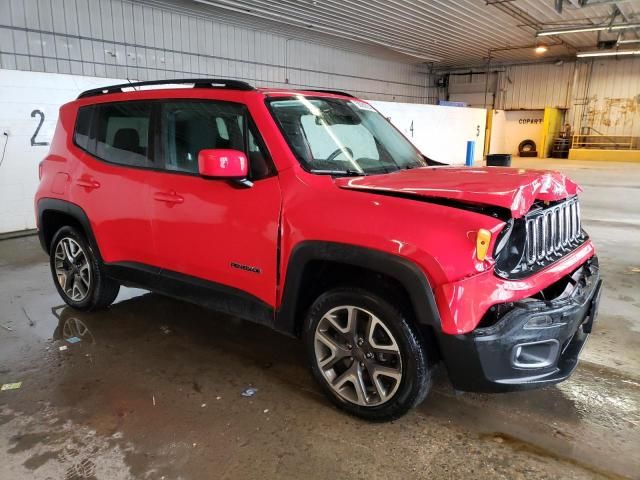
(259, 163)
(83, 127)
(222, 127)
(122, 133)
(188, 127)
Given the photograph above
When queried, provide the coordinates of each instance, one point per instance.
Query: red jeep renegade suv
(308, 212)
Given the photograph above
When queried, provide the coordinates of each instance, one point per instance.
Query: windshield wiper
(346, 173)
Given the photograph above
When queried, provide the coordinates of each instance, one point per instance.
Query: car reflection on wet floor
(71, 328)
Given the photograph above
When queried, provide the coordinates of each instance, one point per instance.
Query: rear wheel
(365, 354)
(77, 272)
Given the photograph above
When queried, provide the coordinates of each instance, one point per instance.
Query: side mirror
(223, 163)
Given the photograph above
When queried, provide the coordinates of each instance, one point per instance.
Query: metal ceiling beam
(586, 3)
(593, 3)
(529, 20)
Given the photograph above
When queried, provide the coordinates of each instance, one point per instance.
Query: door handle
(88, 183)
(168, 197)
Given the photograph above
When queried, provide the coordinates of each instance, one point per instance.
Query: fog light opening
(536, 354)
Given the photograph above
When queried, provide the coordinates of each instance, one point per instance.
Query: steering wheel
(337, 152)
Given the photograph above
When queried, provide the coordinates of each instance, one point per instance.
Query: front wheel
(77, 272)
(366, 356)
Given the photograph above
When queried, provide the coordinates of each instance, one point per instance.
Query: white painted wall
(439, 132)
(521, 125)
(497, 139)
(21, 93)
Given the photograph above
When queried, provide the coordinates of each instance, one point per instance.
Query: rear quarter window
(83, 127)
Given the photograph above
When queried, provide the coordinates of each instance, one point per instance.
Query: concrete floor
(153, 388)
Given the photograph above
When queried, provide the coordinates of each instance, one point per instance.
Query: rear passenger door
(115, 145)
(214, 229)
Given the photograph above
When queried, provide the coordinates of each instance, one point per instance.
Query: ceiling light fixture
(594, 28)
(540, 49)
(630, 40)
(607, 53)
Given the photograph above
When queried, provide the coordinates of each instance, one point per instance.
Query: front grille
(541, 237)
(551, 232)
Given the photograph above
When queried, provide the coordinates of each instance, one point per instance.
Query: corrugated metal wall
(520, 87)
(126, 39)
(601, 96)
(533, 87)
(607, 97)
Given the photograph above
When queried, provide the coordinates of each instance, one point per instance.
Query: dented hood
(510, 188)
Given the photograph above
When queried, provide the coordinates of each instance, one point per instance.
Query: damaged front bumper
(535, 342)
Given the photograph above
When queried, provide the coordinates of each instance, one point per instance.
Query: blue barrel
(471, 146)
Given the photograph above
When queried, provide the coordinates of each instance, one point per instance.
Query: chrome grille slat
(542, 240)
(563, 225)
(531, 242)
(552, 231)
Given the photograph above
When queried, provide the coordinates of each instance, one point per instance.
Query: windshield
(348, 137)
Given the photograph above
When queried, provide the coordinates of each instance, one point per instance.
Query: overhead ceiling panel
(442, 32)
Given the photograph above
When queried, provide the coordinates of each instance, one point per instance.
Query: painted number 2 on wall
(34, 140)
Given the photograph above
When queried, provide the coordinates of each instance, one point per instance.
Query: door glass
(260, 165)
(188, 127)
(122, 133)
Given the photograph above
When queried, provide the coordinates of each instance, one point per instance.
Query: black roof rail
(197, 83)
(335, 92)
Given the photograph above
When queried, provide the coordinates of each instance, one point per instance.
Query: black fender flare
(405, 272)
(67, 208)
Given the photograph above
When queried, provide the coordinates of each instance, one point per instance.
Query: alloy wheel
(72, 269)
(358, 355)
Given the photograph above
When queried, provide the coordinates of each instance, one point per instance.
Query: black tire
(527, 148)
(416, 377)
(102, 290)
